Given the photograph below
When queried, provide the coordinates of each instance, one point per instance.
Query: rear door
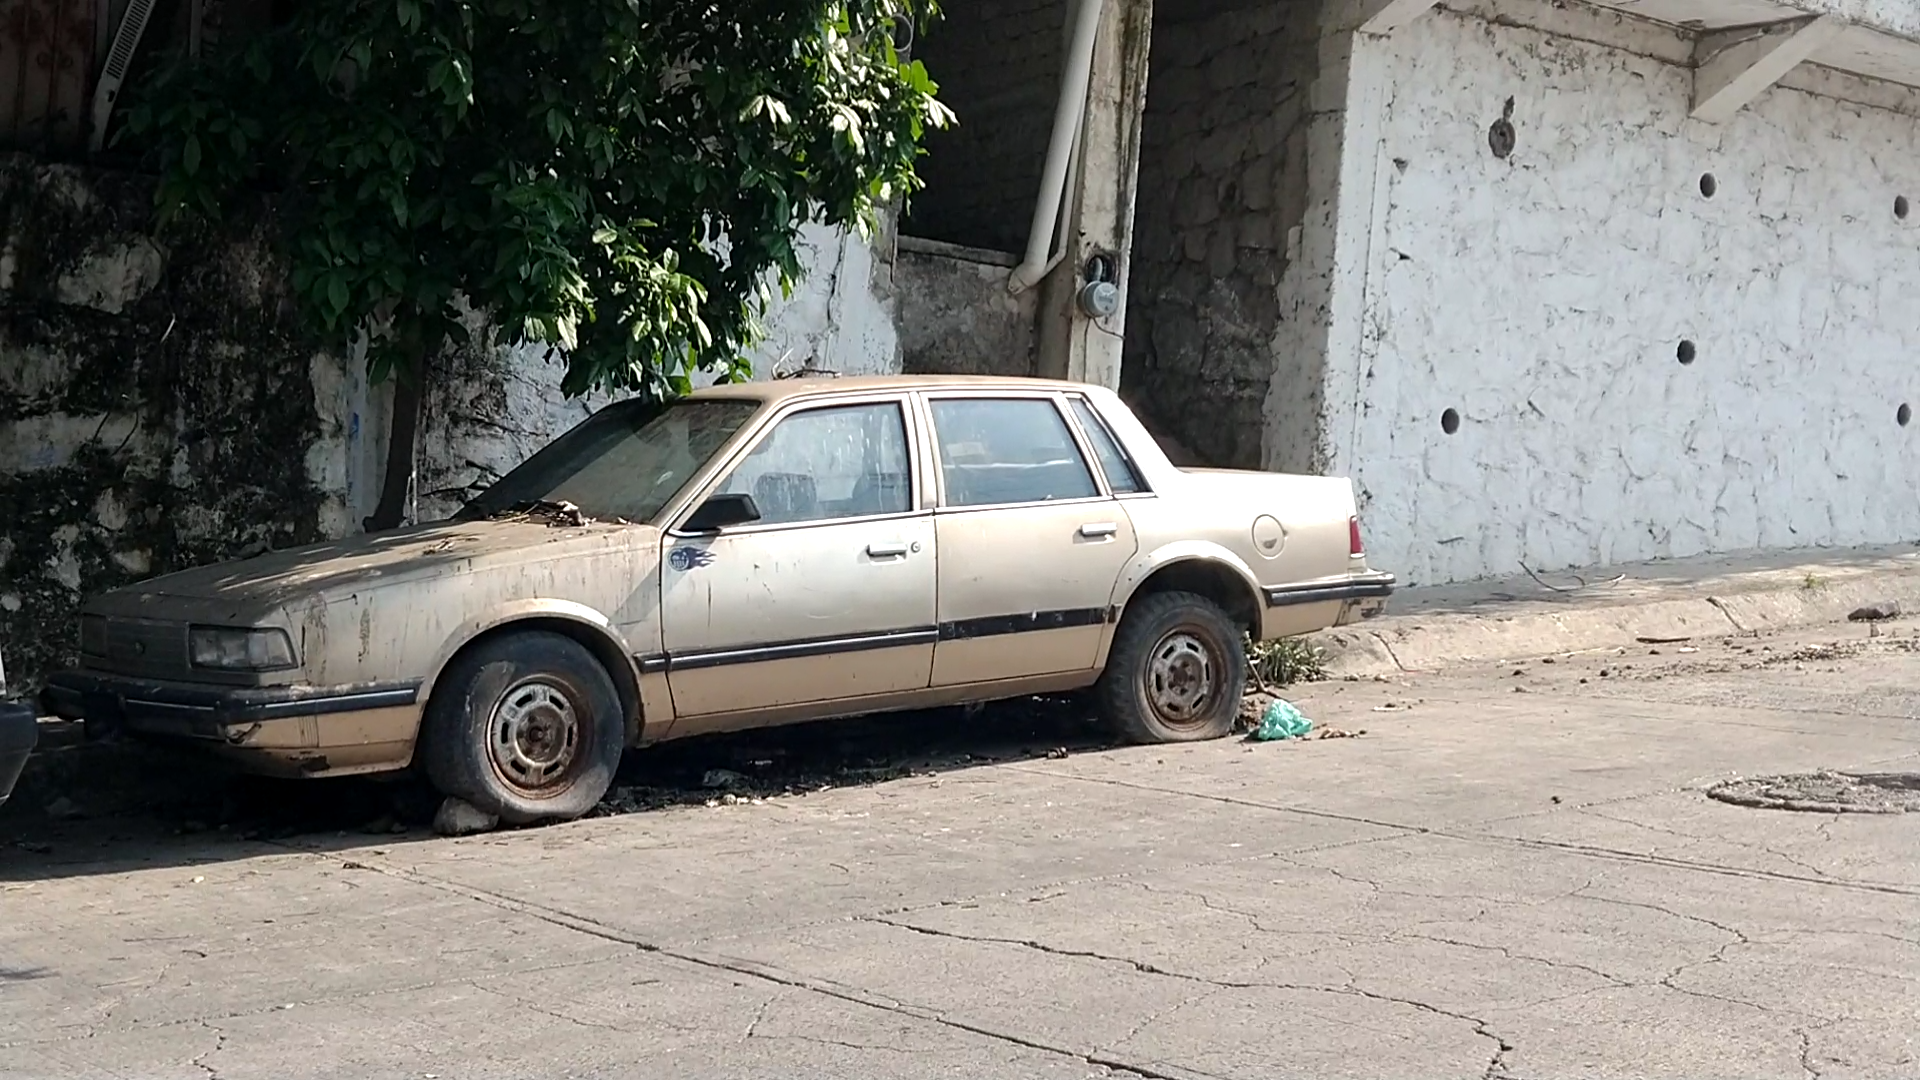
(1030, 539)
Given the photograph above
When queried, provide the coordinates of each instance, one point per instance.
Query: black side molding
(1359, 587)
(960, 630)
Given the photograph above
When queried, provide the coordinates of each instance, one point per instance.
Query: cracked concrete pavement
(1514, 874)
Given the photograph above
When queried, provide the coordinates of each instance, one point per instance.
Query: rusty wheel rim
(536, 734)
(1181, 679)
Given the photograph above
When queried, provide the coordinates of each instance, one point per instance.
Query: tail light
(1354, 547)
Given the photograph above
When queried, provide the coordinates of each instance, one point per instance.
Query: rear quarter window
(1122, 476)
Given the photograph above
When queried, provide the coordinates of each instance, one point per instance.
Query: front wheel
(1176, 671)
(527, 726)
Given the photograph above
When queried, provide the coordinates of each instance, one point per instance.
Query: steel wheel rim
(536, 732)
(1180, 680)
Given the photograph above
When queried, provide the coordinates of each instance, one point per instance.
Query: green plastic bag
(1282, 721)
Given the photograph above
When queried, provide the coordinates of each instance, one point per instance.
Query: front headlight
(233, 649)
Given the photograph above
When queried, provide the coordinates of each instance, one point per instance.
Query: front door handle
(886, 551)
(1099, 529)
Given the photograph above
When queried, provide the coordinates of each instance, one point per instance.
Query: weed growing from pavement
(1285, 662)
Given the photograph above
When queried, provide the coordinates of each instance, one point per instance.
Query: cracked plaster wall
(1223, 183)
(160, 406)
(496, 408)
(1544, 298)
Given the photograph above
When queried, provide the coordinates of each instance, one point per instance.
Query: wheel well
(603, 648)
(1213, 580)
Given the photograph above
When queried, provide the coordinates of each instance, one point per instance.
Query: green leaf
(190, 155)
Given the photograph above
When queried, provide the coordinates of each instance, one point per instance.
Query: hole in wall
(1686, 352)
(1708, 185)
(1900, 207)
(1500, 134)
(1903, 415)
(1450, 421)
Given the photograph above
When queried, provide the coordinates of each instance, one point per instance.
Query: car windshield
(624, 462)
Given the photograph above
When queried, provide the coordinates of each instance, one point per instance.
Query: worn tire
(497, 729)
(1163, 637)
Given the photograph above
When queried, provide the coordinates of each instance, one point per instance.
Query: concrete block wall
(1639, 336)
(1222, 186)
(997, 63)
(955, 314)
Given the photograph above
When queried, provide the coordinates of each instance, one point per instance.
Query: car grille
(138, 647)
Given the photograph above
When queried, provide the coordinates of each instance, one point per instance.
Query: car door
(829, 595)
(1030, 539)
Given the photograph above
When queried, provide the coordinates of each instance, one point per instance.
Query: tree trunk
(402, 431)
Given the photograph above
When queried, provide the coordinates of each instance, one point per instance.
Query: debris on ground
(62, 809)
(1874, 612)
(1824, 792)
(1339, 733)
(458, 817)
(723, 778)
(1282, 720)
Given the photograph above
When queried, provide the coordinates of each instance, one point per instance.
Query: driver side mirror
(722, 512)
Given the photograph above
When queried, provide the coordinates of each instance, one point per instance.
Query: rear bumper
(1372, 585)
(19, 734)
(1318, 605)
(283, 730)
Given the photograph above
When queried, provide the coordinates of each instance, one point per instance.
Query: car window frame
(1126, 455)
(937, 470)
(723, 471)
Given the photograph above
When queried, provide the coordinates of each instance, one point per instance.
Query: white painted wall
(1543, 297)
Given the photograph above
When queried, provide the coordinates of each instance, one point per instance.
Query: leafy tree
(623, 180)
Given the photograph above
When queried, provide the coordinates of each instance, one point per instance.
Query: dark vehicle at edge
(19, 731)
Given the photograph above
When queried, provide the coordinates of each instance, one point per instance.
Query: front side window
(625, 462)
(827, 464)
(995, 451)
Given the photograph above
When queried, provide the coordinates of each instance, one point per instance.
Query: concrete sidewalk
(1425, 629)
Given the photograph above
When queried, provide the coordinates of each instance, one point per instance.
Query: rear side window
(1122, 477)
(995, 451)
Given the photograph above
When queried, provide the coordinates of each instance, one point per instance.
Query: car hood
(243, 589)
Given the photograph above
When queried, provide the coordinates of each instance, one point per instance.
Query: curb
(1515, 619)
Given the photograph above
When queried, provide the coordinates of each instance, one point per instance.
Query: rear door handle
(1099, 529)
(886, 551)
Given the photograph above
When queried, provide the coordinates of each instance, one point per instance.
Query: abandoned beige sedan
(750, 555)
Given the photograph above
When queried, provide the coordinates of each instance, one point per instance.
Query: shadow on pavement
(125, 806)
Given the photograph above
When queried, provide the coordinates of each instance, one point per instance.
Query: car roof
(804, 386)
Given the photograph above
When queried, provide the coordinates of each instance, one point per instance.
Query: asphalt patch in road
(1824, 792)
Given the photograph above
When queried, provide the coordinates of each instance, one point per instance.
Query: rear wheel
(527, 726)
(1176, 671)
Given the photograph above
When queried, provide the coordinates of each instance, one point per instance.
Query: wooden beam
(1732, 67)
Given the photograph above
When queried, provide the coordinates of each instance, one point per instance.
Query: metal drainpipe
(1062, 148)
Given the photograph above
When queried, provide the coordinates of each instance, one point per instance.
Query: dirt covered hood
(364, 562)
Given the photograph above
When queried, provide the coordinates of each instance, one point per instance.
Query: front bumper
(289, 730)
(19, 734)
